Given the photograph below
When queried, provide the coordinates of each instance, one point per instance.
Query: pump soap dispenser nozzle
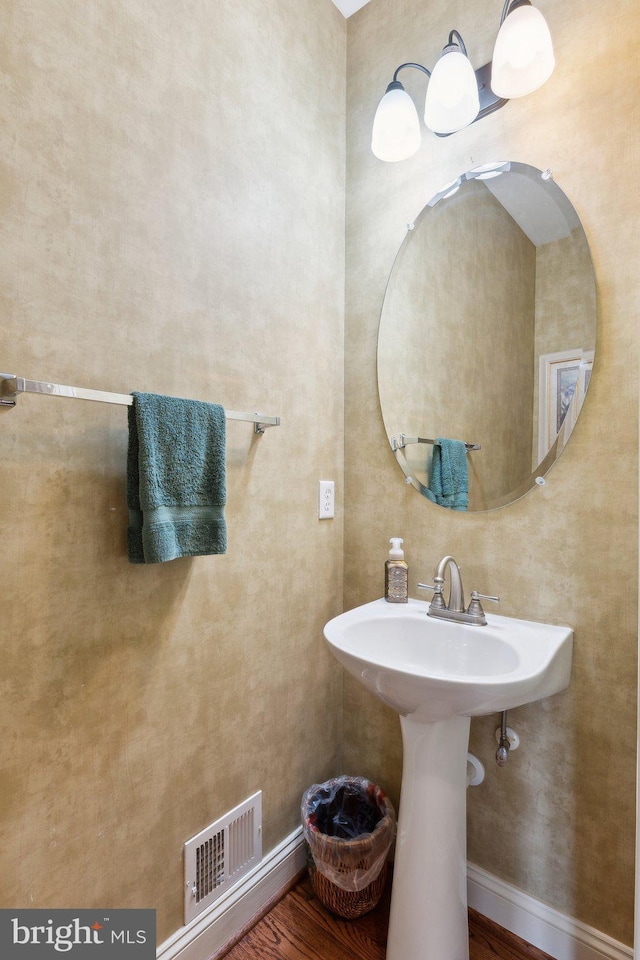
(396, 552)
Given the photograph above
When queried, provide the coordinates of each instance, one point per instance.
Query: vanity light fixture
(456, 94)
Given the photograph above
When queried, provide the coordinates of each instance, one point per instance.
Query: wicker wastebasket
(349, 825)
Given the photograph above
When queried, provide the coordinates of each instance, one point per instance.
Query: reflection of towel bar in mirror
(11, 386)
(399, 444)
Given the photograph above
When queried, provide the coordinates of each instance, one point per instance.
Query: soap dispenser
(396, 574)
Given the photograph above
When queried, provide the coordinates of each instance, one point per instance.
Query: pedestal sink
(437, 674)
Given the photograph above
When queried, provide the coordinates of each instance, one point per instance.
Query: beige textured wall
(172, 188)
(558, 821)
(565, 322)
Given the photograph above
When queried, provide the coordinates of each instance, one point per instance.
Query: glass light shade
(523, 56)
(396, 126)
(452, 95)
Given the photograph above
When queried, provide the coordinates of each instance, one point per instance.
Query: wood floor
(298, 927)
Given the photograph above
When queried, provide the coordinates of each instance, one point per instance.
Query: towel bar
(404, 441)
(11, 386)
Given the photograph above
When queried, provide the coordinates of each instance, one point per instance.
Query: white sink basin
(433, 669)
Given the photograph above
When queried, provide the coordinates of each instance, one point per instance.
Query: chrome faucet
(456, 591)
(454, 609)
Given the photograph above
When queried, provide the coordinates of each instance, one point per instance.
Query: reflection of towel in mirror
(176, 484)
(449, 478)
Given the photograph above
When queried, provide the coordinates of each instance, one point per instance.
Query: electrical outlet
(326, 499)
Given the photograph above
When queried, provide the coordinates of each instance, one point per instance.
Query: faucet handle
(482, 596)
(438, 599)
(475, 607)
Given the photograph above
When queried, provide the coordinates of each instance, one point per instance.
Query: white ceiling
(347, 7)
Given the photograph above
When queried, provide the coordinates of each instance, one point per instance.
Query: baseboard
(560, 936)
(553, 932)
(217, 927)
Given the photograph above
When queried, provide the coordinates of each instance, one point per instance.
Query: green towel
(449, 478)
(176, 479)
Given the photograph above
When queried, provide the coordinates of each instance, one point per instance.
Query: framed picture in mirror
(563, 381)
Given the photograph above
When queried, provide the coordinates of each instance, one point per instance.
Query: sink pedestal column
(429, 897)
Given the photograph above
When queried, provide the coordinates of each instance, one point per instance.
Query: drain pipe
(502, 753)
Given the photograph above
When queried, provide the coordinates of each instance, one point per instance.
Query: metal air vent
(221, 854)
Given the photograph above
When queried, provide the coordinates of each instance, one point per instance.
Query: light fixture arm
(458, 39)
(416, 66)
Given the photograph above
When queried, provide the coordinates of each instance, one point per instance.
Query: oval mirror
(487, 337)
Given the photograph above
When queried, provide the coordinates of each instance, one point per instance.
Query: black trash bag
(343, 810)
